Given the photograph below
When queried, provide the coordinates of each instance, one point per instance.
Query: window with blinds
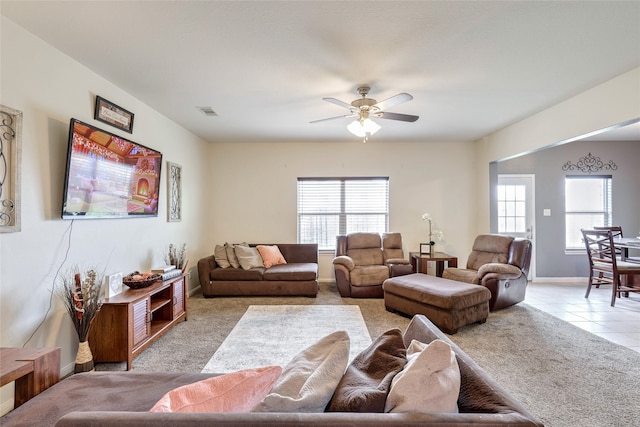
(328, 207)
(587, 204)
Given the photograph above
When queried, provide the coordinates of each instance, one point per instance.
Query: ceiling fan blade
(339, 103)
(397, 116)
(334, 118)
(394, 100)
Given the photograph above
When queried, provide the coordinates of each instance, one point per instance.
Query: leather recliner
(501, 264)
(364, 261)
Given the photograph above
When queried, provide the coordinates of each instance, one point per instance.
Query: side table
(33, 370)
(420, 261)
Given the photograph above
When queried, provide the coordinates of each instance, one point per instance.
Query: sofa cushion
(489, 248)
(310, 378)
(365, 385)
(363, 240)
(236, 274)
(429, 382)
(369, 275)
(392, 246)
(368, 256)
(220, 254)
(271, 255)
(235, 392)
(248, 257)
(293, 271)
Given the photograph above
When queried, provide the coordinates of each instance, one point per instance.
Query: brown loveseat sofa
(299, 276)
(123, 399)
(499, 263)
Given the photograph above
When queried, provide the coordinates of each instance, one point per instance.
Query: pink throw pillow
(271, 255)
(235, 392)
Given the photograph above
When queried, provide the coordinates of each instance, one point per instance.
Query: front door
(516, 209)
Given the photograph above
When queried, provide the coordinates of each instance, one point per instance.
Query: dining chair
(604, 268)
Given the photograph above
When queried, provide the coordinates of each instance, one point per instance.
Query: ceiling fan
(363, 109)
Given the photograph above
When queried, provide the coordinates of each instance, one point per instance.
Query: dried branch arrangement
(81, 297)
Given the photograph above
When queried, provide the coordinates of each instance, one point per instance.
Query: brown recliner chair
(365, 260)
(501, 264)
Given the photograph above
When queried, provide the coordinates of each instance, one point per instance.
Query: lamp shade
(363, 128)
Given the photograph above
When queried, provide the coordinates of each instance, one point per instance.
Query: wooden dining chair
(616, 232)
(604, 267)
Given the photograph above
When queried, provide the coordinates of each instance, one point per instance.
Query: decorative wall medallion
(10, 157)
(589, 164)
(174, 192)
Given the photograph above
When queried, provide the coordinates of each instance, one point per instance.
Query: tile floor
(619, 324)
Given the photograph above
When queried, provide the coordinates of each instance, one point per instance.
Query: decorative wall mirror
(10, 156)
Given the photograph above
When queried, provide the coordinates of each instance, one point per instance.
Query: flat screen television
(108, 176)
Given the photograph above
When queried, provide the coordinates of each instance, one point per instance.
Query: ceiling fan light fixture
(363, 128)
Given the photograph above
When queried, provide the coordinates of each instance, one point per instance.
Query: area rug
(273, 335)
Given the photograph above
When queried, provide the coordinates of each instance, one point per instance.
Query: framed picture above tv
(108, 176)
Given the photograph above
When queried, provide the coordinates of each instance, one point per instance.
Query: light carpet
(272, 335)
(564, 375)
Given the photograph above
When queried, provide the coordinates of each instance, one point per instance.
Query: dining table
(626, 243)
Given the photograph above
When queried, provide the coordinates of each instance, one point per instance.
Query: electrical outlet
(546, 212)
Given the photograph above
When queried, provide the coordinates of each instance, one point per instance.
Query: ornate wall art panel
(174, 192)
(10, 157)
(589, 164)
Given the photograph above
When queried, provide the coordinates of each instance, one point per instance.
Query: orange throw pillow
(235, 392)
(271, 255)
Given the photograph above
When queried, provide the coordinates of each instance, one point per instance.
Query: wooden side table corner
(420, 261)
(33, 370)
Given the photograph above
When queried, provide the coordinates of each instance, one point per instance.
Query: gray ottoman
(447, 303)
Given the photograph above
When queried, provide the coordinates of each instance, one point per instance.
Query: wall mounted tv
(108, 176)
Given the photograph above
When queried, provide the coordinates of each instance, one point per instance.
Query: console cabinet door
(141, 321)
(178, 298)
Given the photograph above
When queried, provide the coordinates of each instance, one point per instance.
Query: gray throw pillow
(231, 255)
(220, 254)
(248, 257)
(310, 378)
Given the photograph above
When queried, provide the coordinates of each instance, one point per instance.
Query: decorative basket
(140, 282)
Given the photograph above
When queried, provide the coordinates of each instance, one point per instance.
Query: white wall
(253, 189)
(50, 88)
(610, 103)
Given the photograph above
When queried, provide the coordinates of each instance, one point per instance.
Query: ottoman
(447, 303)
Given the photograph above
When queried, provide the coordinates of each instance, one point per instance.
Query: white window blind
(587, 204)
(328, 207)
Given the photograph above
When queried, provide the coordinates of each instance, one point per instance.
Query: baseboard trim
(6, 406)
(194, 291)
(561, 279)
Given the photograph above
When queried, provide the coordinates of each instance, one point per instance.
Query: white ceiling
(473, 67)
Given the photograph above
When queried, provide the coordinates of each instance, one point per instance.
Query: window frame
(607, 212)
(342, 214)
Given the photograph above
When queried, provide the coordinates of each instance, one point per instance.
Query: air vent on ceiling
(207, 111)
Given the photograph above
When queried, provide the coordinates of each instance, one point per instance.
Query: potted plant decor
(177, 257)
(81, 296)
(432, 232)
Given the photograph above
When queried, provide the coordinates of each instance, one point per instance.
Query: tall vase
(431, 248)
(84, 358)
